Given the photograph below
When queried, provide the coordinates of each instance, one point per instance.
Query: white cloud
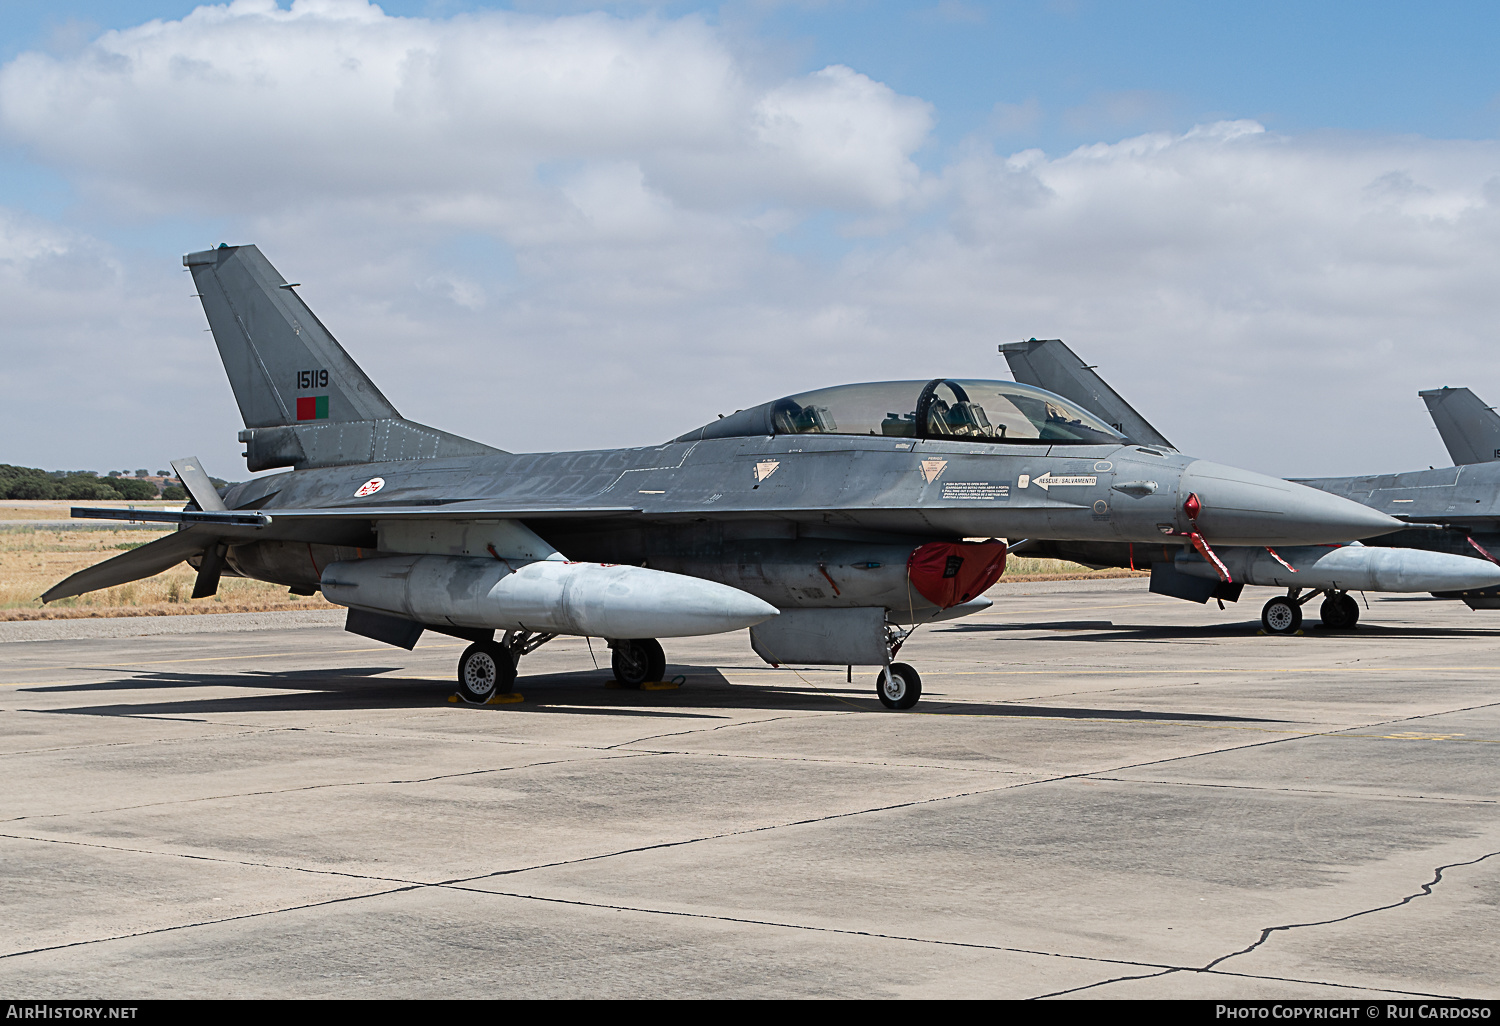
(1276, 301)
(101, 358)
(574, 231)
(248, 107)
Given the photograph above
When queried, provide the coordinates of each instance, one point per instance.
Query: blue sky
(1273, 196)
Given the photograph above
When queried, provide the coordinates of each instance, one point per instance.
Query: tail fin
(1050, 364)
(1470, 429)
(305, 403)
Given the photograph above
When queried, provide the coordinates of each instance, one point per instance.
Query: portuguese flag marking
(312, 407)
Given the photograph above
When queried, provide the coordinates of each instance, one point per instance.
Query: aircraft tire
(898, 686)
(485, 670)
(1339, 612)
(1281, 616)
(1351, 610)
(637, 661)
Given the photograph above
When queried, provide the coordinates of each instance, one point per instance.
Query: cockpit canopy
(981, 411)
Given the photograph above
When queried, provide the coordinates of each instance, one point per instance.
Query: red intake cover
(947, 573)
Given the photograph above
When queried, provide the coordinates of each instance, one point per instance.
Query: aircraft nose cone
(1241, 507)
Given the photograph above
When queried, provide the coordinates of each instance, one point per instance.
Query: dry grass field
(1024, 568)
(52, 509)
(34, 559)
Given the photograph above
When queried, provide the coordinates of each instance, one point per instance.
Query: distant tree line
(32, 483)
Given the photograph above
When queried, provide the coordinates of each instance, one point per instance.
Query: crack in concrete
(1421, 892)
(1166, 969)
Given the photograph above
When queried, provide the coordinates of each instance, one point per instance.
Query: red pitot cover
(947, 573)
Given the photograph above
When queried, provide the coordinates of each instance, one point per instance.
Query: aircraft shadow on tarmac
(583, 692)
(1106, 631)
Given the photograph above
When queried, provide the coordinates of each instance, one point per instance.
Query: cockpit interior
(983, 411)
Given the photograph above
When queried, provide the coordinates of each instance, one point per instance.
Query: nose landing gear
(898, 686)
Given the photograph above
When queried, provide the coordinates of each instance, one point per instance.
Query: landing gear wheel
(898, 686)
(1281, 616)
(1339, 612)
(485, 670)
(637, 661)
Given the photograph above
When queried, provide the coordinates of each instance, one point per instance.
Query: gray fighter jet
(1403, 561)
(1463, 500)
(831, 523)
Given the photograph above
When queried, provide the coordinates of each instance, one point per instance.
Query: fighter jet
(831, 523)
(1404, 561)
(1462, 501)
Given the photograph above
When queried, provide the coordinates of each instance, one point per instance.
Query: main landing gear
(637, 661)
(488, 668)
(1283, 614)
(1339, 612)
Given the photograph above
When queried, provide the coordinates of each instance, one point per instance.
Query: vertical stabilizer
(1470, 429)
(1050, 364)
(283, 365)
(304, 401)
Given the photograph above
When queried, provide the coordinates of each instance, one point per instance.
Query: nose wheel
(637, 660)
(898, 686)
(486, 669)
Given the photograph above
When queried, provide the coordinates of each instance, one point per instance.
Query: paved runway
(1104, 793)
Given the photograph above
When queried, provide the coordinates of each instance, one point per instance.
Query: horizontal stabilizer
(1050, 364)
(452, 511)
(147, 561)
(1470, 429)
(227, 518)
